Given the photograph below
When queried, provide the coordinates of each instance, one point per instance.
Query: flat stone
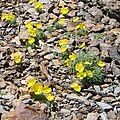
(104, 106)
(49, 56)
(66, 112)
(117, 91)
(92, 116)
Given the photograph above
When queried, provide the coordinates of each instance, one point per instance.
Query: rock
(111, 115)
(81, 4)
(104, 106)
(33, 13)
(2, 82)
(16, 41)
(49, 56)
(117, 91)
(72, 13)
(44, 17)
(103, 116)
(8, 96)
(92, 116)
(97, 88)
(56, 62)
(94, 51)
(66, 112)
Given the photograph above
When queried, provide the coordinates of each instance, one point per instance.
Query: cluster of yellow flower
(32, 28)
(63, 43)
(39, 89)
(64, 10)
(37, 5)
(8, 17)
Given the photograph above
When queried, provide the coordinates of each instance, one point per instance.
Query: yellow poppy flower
(63, 42)
(32, 32)
(28, 25)
(73, 56)
(37, 88)
(80, 26)
(76, 87)
(64, 10)
(10, 17)
(47, 90)
(49, 97)
(31, 40)
(38, 5)
(30, 81)
(76, 19)
(89, 73)
(67, 62)
(63, 48)
(81, 75)
(17, 56)
(61, 21)
(101, 63)
(79, 67)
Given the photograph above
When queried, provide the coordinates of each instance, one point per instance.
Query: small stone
(8, 97)
(49, 56)
(97, 88)
(117, 91)
(104, 106)
(2, 82)
(56, 62)
(66, 112)
(103, 116)
(72, 13)
(111, 115)
(92, 116)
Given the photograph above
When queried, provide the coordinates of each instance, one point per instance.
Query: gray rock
(7, 96)
(104, 106)
(111, 115)
(2, 82)
(97, 88)
(103, 116)
(92, 116)
(66, 112)
(117, 91)
(49, 56)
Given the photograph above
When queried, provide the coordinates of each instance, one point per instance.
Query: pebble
(66, 112)
(104, 106)
(92, 116)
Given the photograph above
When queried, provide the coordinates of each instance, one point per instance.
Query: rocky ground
(94, 102)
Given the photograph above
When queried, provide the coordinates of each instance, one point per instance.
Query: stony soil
(95, 102)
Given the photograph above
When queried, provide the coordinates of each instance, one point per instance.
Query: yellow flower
(38, 5)
(47, 90)
(63, 42)
(64, 10)
(81, 75)
(3, 16)
(49, 97)
(67, 62)
(63, 48)
(73, 56)
(17, 56)
(61, 21)
(82, 45)
(101, 63)
(76, 87)
(37, 88)
(32, 32)
(38, 25)
(79, 67)
(32, 1)
(28, 24)
(89, 73)
(87, 63)
(31, 40)
(76, 19)
(80, 26)
(30, 81)
(8, 16)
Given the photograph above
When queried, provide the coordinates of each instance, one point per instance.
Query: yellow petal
(30, 81)
(76, 87)
(63, 42)
(49, 97)
(64, 10)
(82, 45)
(101, 63)
(73, 56)
(31, 40)
(76, 19)
(63, 48)
(81, 75)
(89, 73)
(67, 62)
(32, 1)
(47, 90)
(38, 5)
(79, 67)
(61, 21)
